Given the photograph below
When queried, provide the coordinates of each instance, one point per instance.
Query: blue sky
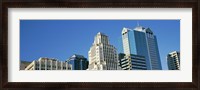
(62, 38)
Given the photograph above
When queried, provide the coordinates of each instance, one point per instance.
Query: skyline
(143, 42)
(59, 38)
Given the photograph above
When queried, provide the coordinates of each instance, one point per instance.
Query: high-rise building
(102, 55)
(132, 62)
(173, 60)
(78, 62)
(48, 64)
(141, 41)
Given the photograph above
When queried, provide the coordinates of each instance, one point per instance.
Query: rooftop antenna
(138, 24)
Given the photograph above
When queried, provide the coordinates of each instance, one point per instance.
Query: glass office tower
(142, 41)
(78, 62)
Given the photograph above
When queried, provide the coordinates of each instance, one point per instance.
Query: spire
(138, 24)
(138, 27)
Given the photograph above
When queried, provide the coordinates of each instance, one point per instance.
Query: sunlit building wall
(102, 55)
(173, 60)
(48, 64)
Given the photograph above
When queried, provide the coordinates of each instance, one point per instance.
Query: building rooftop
(45, 58)
(100, 33)
(148, 30)
(174, 52)
(124, 30)
(139, 28)
(78, 56)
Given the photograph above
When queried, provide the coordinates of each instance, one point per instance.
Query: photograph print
(99, 45)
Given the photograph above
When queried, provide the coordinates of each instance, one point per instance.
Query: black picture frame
(194, 4)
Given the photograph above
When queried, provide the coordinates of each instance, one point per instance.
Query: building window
(42, 69)
(69, 68)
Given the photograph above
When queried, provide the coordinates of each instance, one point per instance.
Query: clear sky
(61, 39)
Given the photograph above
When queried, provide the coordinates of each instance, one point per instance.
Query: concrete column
(51, 64)
(45, 65)
(34, 66)
(39, 64)
(56, 65)
(61, 64)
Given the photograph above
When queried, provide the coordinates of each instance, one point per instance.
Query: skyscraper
(78, 62)
(102, 55)
(141, 41)
(173, 60)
